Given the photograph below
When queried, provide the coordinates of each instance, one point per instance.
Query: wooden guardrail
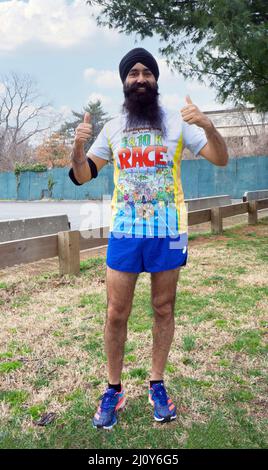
(67, 245)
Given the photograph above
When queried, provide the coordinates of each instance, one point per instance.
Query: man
(145, 142)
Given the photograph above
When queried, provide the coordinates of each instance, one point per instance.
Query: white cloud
(165, 71)
(171, 101)
(110, 104)
(65, 112)
(171, 86)
(51, 22)
(213, 106)
(89, 73)
(2, 88)
(103, 78)
(108, 79)
(194, 86)
(105, 100)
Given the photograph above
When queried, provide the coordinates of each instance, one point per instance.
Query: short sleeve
(101, 147)
(194, 137)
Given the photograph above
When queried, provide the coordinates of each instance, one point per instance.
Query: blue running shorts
(135, 255)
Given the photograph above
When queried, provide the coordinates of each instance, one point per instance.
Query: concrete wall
(33, 227)
(199, 178)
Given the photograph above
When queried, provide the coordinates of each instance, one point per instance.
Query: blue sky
(74, 61)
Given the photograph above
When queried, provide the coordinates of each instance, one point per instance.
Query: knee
(117, 315)
(163, 308)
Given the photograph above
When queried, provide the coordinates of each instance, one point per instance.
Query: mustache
(130, 89)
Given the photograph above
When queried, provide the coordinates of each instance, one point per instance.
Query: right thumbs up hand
(83, 132)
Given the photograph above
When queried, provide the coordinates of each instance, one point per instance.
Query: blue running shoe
(110, 402)
(164, 408)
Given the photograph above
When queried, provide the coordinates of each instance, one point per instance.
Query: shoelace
(161, 394)
(108, 399)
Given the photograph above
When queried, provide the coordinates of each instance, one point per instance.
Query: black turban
(133, 57)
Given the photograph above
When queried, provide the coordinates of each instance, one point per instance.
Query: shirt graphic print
(148, 198)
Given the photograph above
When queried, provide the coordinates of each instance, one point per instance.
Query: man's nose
(141, 78)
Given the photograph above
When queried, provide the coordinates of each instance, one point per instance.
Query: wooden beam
(93, 238)
(234, 209)
(216, 220)
(28, 250)
(262, 204)
(252, 213)
(69, 252)
(199, 217)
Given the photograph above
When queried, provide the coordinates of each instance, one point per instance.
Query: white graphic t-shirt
(148, 198)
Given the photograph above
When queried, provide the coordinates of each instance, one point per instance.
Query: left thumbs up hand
(192, 115)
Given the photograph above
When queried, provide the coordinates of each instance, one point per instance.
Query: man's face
(140, 88)
(139, 74)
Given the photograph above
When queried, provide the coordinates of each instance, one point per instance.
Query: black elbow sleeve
(73, 178)
(93, 168)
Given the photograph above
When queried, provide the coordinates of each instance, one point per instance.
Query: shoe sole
(162, 420)
(109, 428)
(165, 420)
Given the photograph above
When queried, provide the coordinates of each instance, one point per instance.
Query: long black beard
(142, 108)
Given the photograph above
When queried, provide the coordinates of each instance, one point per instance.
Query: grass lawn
(52, 358)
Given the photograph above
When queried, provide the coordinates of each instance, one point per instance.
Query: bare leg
(120, 292)
(163, 290)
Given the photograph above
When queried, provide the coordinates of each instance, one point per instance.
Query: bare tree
(21, 115)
